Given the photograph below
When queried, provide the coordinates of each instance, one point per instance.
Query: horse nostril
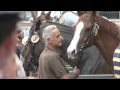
(73, 52)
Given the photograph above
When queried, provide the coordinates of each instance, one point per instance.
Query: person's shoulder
(48, 53)
(10, 15)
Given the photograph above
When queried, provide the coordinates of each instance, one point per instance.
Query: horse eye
(88, 29)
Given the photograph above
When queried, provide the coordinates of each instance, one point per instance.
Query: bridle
(81, 50)
(31, 60)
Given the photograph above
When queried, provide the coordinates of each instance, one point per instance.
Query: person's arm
(74, 75)
(30, 77)
(61, 71)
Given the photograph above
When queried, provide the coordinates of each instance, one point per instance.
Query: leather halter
(81, 51)
(94, 32)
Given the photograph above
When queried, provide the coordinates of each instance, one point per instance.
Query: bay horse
(92, 29)
(91, 63)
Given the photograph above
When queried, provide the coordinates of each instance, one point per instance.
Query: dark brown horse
(95, 30)
(91, 63)
(33, 51)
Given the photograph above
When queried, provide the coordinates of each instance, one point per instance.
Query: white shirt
(21, 71)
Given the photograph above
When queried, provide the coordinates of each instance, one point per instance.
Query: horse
(31, 53)
(92, 29)
(91, 63)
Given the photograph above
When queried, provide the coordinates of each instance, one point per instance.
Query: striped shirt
(116, 62)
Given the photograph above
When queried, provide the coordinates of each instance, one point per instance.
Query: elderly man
(51, 65)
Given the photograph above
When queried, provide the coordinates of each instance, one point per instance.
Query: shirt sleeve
(58, 66)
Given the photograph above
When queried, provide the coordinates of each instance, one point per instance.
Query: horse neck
(106, 40)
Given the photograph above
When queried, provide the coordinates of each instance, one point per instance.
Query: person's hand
(76, 70)
(31, 77)
(44, 21)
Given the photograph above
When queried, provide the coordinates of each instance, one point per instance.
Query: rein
(83, 48)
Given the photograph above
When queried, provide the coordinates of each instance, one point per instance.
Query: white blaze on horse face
(75, 40)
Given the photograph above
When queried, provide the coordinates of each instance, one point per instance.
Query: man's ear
(49, 40)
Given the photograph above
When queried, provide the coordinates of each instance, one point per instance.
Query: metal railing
(91, 76)
(110, 14)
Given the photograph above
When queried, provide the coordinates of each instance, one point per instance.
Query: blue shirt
(70, 18)
(26, 32)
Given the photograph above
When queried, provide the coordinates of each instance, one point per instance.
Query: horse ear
(47, 14)
(93, 13)
(81, 13)
(33, 15)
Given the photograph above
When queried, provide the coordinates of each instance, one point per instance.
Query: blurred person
(19, 38)
(8, 22)
(26, 32)
(20, 70)
(19, 57)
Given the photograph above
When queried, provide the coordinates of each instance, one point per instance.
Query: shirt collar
(54, 50)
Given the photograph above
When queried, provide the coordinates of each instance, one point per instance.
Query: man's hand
(76, 70)
(31, 77)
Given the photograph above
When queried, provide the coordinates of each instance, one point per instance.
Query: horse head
(85, 30)
(45, 16)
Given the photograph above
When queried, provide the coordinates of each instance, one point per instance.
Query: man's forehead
(55, 31)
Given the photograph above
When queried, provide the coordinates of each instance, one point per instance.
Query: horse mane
(108, 26)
